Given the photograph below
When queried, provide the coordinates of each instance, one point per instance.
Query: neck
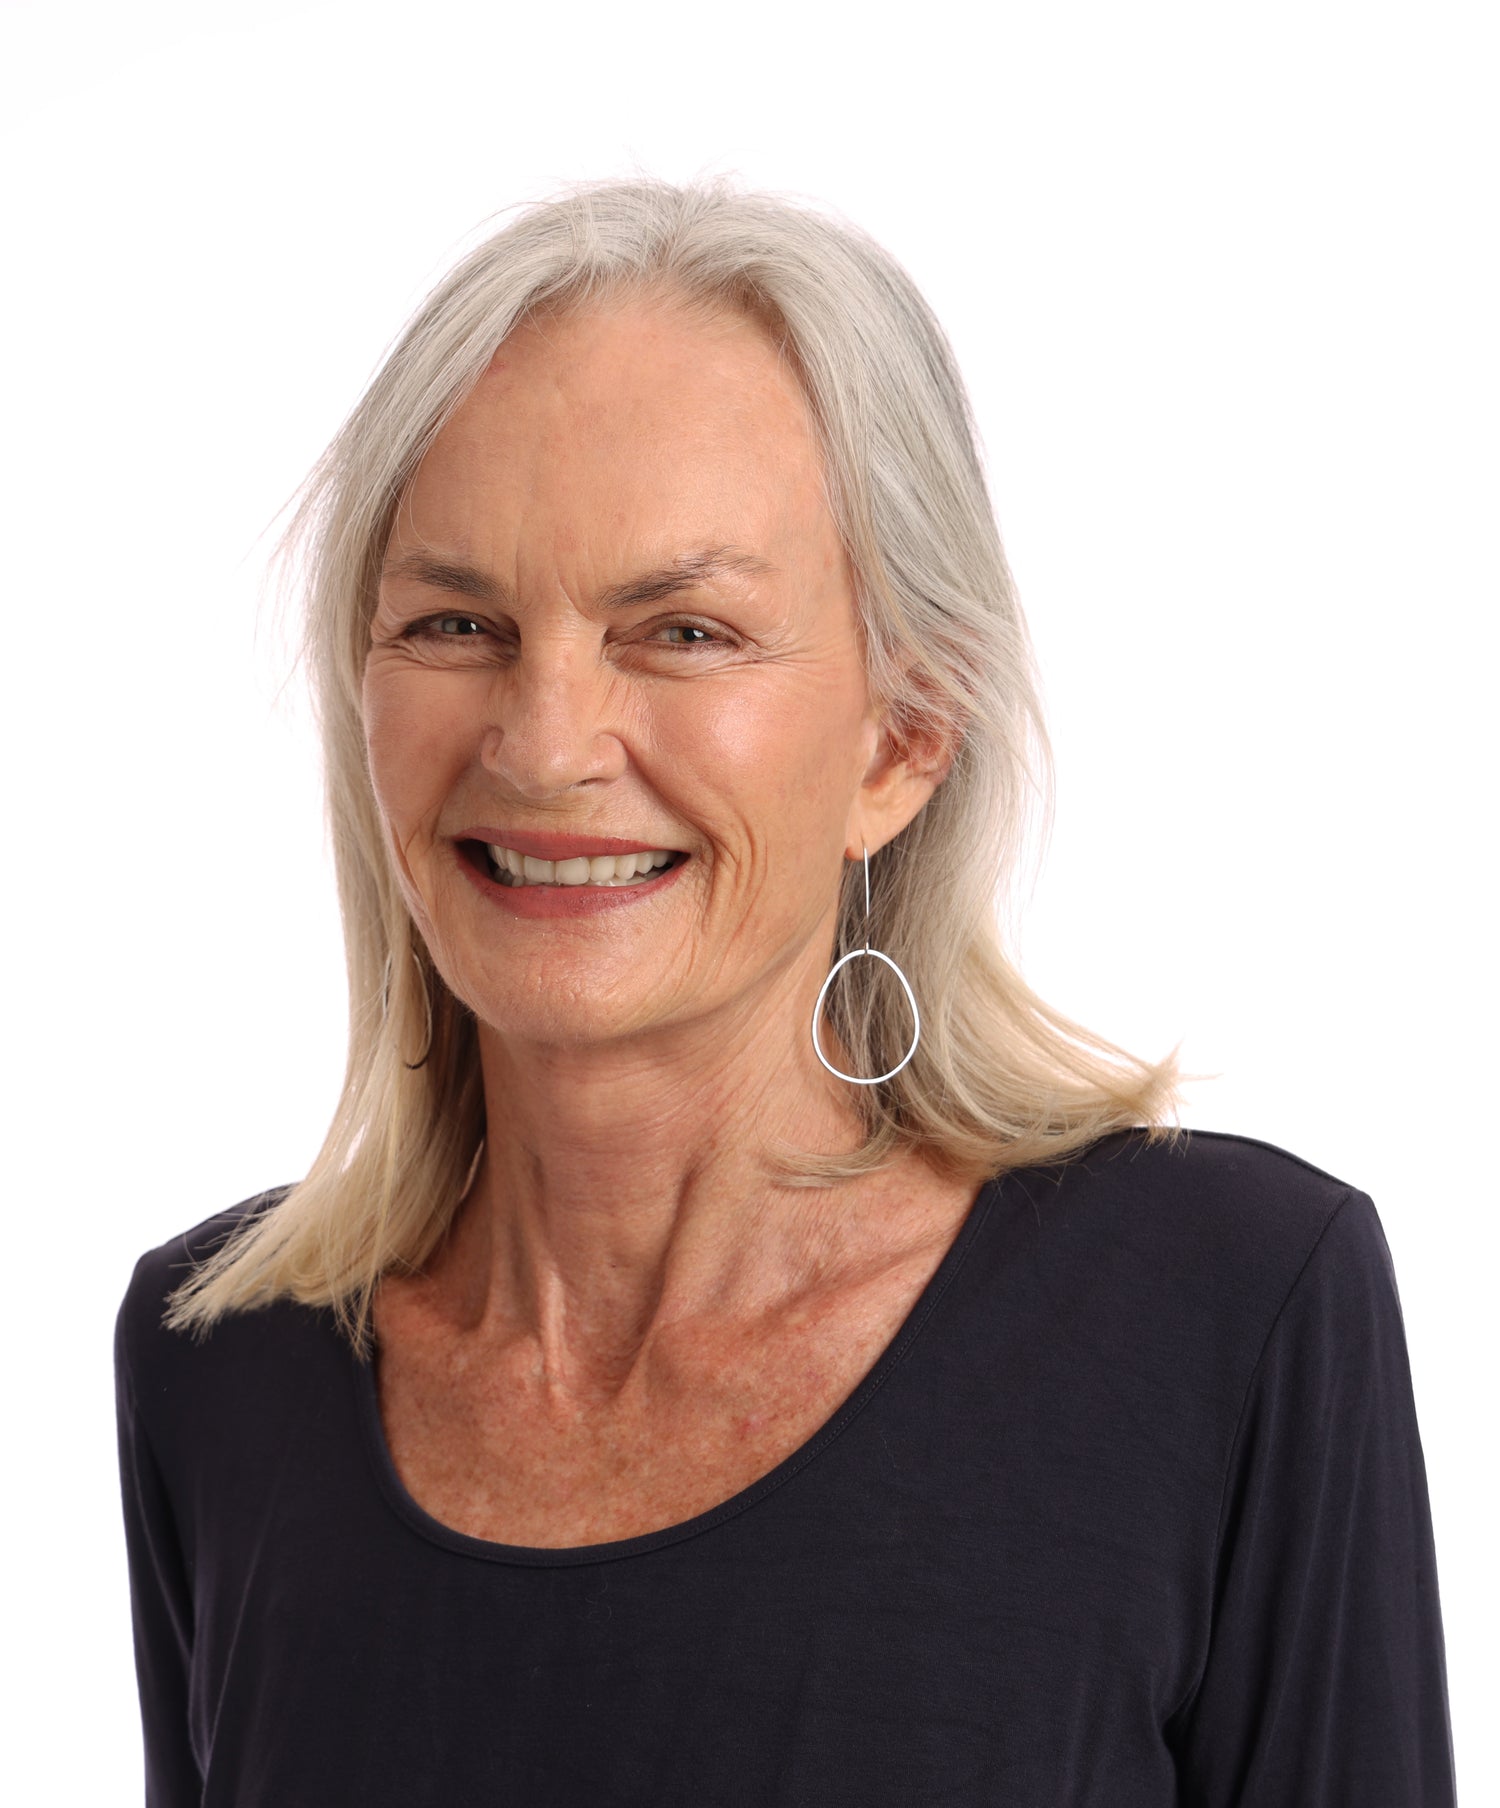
(626, 1187)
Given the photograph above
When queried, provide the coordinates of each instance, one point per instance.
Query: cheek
(768, 772)
(414, 746)
(782, 755)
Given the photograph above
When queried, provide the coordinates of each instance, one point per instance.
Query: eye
(452, 639)
(448, 628)
(694, 634)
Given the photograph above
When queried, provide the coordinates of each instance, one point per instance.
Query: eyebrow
(683, 573)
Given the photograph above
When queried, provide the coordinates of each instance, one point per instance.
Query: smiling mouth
(591, 871)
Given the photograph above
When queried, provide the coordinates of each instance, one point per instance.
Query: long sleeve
(1325, 1679)
(160, 1601)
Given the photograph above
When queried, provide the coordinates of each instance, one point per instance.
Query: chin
(563, 1004)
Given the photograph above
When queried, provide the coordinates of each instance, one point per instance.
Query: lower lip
(567, 900)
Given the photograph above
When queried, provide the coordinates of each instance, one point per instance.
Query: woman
(736, 1344)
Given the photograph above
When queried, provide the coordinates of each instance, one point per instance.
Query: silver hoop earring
(875, 954)
(385, 1008)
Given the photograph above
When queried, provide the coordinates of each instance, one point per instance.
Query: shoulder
(1196, 1165)
(158, 1271)
(1207, 1231)
(142, 1342)
(1236, 1184)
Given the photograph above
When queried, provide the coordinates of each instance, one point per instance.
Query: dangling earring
(874, 953)
(385, 1006)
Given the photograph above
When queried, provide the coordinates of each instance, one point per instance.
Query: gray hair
(1000, 1080)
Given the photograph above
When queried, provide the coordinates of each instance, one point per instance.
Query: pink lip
(563, 900)
(559, 847)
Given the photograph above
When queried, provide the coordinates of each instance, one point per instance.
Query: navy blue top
(1131, 1513)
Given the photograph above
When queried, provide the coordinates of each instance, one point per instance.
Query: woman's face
(614, 608)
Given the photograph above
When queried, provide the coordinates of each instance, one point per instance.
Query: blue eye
(458, 625)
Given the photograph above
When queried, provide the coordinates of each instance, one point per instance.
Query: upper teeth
(590, 869)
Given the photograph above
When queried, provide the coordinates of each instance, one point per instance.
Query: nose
(552, 722)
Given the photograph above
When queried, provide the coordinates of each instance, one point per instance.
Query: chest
(986, 1588)
(481, 1445)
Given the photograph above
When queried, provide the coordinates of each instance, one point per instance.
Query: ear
(907, 764)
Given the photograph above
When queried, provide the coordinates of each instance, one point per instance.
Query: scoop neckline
(415, 1516)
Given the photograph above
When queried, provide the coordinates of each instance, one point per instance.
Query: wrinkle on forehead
(638, 418)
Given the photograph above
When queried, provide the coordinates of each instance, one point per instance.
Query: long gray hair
(1000, 1080)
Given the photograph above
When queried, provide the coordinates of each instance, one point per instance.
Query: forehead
(637, 419)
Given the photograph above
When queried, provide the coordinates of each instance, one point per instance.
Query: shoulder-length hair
(1000, 1080)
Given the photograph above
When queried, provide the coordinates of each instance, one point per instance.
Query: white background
(1223, 283)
